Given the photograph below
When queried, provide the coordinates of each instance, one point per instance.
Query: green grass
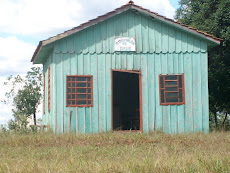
(115, 152)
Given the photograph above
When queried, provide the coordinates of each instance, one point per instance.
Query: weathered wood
(108, 91)
(165, 109)
(94, 71)
(69, 119)
(178, 41)
(161, 49)
(196, 97)
(181, 108)
(189, 122)
(164, 38)
(158, 118)
(145, 95)
(60, 90)
(101, 90)
(172, 112)
(145, 34)
(138, 35)
(91, 39)
(66, 71)
(151, 34)
(87, 71)
(172, 40)
(151, 91)
(204, 91)
(158, 37)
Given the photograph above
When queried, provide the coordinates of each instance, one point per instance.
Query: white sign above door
(125, 44)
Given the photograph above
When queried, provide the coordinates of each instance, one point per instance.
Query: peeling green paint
(161, 49)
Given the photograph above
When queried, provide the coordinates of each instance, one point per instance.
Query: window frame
(183, 93)
(49, 92)
(91, 83)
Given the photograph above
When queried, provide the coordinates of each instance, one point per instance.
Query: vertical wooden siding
(193, 116)
(151, 36)
(160, 50)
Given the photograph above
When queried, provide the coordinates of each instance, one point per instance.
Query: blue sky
(23, 23)
(174, 3)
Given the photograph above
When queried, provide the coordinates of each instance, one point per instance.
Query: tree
(213, 17)
(25, 96)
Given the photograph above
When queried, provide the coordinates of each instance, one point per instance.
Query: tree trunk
(215, 116)
(35, 119)
(226, 114)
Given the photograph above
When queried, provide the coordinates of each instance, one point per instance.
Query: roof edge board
(48, 50)
(86, 25)
(194, 32)
(209, 38)
(55, 38)
(79, 28)
(40, 44)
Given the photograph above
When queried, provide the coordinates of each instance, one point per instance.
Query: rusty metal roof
(129, 5)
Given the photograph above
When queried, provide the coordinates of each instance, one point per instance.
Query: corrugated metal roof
(129, 5)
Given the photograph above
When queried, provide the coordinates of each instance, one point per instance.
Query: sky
(23, 23)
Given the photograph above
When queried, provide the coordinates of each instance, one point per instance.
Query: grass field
(115, 152)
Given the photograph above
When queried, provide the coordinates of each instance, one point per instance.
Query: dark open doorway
(126, 100)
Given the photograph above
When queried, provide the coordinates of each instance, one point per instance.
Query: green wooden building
(130, 69)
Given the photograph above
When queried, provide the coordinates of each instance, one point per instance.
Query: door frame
(140, 95)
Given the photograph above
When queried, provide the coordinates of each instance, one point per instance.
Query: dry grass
(115, 152)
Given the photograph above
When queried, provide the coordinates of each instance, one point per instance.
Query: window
(172, 89)
(44, 91)
(49, 89)
(79, 91)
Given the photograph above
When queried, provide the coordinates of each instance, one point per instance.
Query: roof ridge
(129, 5)
(130, 2)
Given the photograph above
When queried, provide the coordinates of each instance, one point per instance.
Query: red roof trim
(37, 51)
(129, 5)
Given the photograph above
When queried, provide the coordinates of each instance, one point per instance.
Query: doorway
(126, 100)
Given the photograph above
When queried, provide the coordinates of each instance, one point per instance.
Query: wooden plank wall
(160, 50)
(193, 116)
(152, 36)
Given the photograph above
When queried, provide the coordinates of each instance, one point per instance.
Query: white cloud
(43, 18)
(98, 7)
(15, 56)
(28, 17)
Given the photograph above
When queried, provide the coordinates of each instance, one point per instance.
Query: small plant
(3, 128)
